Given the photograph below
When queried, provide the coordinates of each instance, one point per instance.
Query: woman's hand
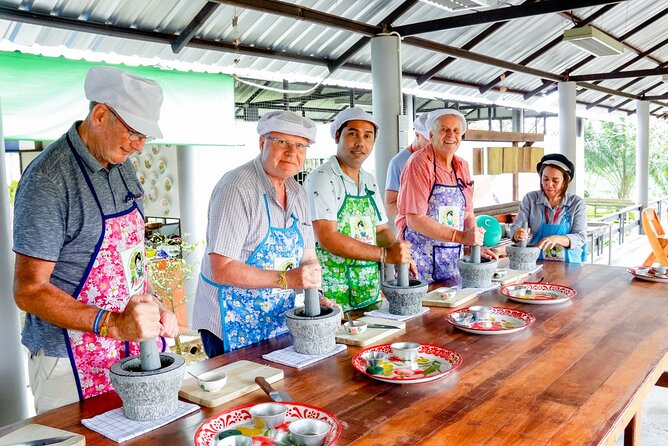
(551, 241)
(521, 234)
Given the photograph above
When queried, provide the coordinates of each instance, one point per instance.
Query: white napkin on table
(384, 312)
(288, 356)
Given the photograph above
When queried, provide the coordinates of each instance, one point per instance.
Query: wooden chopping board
(38, 432)
(432, 299)
(371, 335)
(512, 276)
(240, 381)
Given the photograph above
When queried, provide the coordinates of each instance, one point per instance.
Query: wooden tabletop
(577, 376)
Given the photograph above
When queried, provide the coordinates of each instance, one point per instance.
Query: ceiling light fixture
(593, 41)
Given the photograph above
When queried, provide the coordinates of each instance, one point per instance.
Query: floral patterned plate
(432, 363)
(239, 419)
(541, 293)
(645, 273)
(502, 321)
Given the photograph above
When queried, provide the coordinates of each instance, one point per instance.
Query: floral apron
(116, 271)
(352, 283)
(249, 316)
(437, 260)
(559, 253)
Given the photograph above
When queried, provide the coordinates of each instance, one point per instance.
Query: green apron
(352, 283)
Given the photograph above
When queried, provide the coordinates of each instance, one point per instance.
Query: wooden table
(577, 376)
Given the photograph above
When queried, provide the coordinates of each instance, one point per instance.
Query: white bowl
(212, 381)
(500, 273)
(268, 414)
(309, 431)
(517, 290)
(235, 440)
(406, 351)
(658, 268)
(480, 313)
(358, 327)
(445, 292)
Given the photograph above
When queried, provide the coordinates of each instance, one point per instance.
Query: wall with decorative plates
(157, 171)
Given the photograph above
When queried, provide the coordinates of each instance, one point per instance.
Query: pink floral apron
(116, 271)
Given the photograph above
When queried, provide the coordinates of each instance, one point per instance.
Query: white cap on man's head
(350, 114)
(136, 100)
(434, 115)
(287, 122)
(420, 125)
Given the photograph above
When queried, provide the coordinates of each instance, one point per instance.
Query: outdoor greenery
(610, 156)
(12, 191)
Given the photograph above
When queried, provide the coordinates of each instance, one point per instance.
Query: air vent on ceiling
(458, 5)
(593, 41)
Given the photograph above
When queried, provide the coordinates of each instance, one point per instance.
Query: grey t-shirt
(56, 218)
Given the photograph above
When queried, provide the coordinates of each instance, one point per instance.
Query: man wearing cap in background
(436, 202)
(349, 218)
(557, 220)
(81, 196)
(260, 244)
(398, 162)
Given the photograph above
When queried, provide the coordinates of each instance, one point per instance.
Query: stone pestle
(311, 302)
(403, 275)
(523, 243)
(388, 272)
(475, 254)
(149, 355)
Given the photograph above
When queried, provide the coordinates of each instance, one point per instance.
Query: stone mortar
(522, 259)
(313, 335)
(476, 275)
(152, 394)
(406, 301)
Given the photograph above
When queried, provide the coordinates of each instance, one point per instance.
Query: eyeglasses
(134, 135)
(283, 144)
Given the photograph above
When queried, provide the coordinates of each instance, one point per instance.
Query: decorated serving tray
(644, 273)
(432, 363)
(502, 321)
(541, 293)
(239, 419)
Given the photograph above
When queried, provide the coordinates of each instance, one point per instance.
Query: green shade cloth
(42, 96)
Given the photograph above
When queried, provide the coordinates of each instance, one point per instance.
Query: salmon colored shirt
(417, 180)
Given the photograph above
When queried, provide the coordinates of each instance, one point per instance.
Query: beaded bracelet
(96, 330)
(454, 234)
(105, 327)
(282, 280)
(383, 253)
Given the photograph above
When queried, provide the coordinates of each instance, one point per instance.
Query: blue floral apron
(437, 260)
(252, 315)
(559, 253)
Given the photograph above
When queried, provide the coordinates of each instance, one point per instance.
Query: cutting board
(38, 432)
(512, 276)
(240, 381)
(371, 335)
(432, 299)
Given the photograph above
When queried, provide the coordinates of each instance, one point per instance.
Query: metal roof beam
(497, 15)
(194, 26)
(300, 13)
(618, 75)
(545, 48)
(361, 43)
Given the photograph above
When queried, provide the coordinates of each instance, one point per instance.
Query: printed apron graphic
(437, 260)
(352, 283)
(252, 315)
(105, 285)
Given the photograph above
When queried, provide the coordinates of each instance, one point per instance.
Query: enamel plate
(502, 321)
(541, 293)
(650, 275)
(432, 363)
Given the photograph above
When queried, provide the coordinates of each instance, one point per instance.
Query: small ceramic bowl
(500, 273)
(480, 313)
(309, 431)
(642, 270)
(212, 381)
(517, 290)
(268, 415)
(445, 292)
(358, 327)
(658, 268)
(235, 440)
(374, 358)
(406, 351)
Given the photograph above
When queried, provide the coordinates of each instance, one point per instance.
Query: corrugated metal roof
(289, 36)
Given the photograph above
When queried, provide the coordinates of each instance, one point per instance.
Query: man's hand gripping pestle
(149, 355)
(523, 242)
(311, 302)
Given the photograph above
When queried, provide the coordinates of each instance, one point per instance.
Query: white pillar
(386, 98)
(568, 135)
(13, 401)
(192, 223)
(642, 153)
